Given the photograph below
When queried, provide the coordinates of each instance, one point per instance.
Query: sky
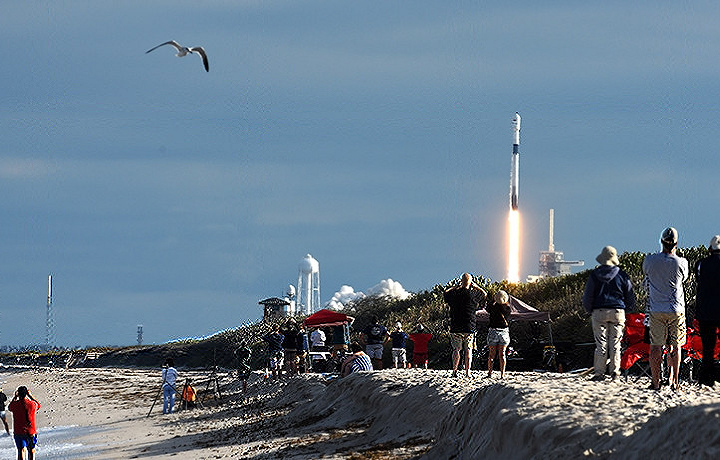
(375, 136)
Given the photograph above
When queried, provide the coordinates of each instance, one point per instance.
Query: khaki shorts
(462, 340)
(667, 328)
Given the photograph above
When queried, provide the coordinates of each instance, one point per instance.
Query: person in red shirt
(23, 407)
(420, 339)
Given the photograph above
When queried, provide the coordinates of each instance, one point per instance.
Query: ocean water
(58, 443)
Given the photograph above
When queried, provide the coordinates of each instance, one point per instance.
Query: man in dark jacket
(707, 310)
(608, 293)
(464, 300)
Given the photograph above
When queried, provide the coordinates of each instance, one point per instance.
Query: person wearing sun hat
(608, 294)
(707, 308)
(665, 273)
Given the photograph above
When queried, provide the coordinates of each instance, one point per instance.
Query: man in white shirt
(169, 377)
(664, 274)
(317, 338)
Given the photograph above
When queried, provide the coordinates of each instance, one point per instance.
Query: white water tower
(290, 296)
(308, 287)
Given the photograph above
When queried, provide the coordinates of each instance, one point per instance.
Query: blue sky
(373, 135)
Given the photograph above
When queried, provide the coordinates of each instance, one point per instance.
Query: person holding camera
(169, 376)
(23, 407)
(464, 299)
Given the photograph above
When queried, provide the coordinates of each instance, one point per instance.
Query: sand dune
(387, 414)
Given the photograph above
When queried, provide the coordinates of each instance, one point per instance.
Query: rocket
(515, 164)
(50, 292)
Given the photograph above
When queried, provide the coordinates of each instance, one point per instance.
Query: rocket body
(515, 164)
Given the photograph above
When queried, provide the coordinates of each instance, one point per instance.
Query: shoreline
(394, 413)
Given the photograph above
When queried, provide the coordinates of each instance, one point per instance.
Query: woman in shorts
(498, 337)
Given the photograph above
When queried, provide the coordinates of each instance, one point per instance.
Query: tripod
(215, 383)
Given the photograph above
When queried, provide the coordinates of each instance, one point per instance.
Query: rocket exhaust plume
(513, 275)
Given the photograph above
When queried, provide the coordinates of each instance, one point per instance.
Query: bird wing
(171, 42)
(199, 50)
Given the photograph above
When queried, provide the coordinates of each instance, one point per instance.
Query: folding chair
(635, 357)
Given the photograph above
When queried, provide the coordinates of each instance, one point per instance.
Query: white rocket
(515, 164)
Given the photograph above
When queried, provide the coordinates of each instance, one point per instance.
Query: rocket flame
(513, 274)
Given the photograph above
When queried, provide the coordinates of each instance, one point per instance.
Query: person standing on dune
(375, 337)
(464, 300)
(608, 294)
(707, 309)
(665, 273)
(420, 339)
(498, 337)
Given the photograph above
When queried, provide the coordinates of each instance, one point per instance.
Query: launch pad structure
(552, 262)
(50, 318)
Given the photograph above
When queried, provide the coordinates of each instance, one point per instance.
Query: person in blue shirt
(275, 351)
(399, 338)
(608, 294)
(375, 337)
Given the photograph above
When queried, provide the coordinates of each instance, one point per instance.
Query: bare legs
(500, 350)
(673, 359)
(456, 361)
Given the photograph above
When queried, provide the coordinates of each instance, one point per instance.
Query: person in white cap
(665, 273)
(707, 309)
(608, 294)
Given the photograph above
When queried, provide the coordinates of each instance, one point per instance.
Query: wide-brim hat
(608, 256)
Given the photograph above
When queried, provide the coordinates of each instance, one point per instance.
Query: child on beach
(3, 400)
(23, 407)
(189, 396)
(243, 354)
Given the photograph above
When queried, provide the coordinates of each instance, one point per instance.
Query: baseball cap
(715, 243)
(669, 235)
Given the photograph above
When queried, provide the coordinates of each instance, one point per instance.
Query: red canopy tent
(327, 317)
(520, 311)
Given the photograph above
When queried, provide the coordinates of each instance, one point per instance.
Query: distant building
(274, 307)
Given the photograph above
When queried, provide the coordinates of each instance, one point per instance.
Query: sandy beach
(390, 414)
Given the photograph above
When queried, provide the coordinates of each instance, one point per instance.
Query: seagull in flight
(184, 51)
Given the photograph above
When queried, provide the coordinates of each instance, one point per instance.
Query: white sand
(388, 414)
